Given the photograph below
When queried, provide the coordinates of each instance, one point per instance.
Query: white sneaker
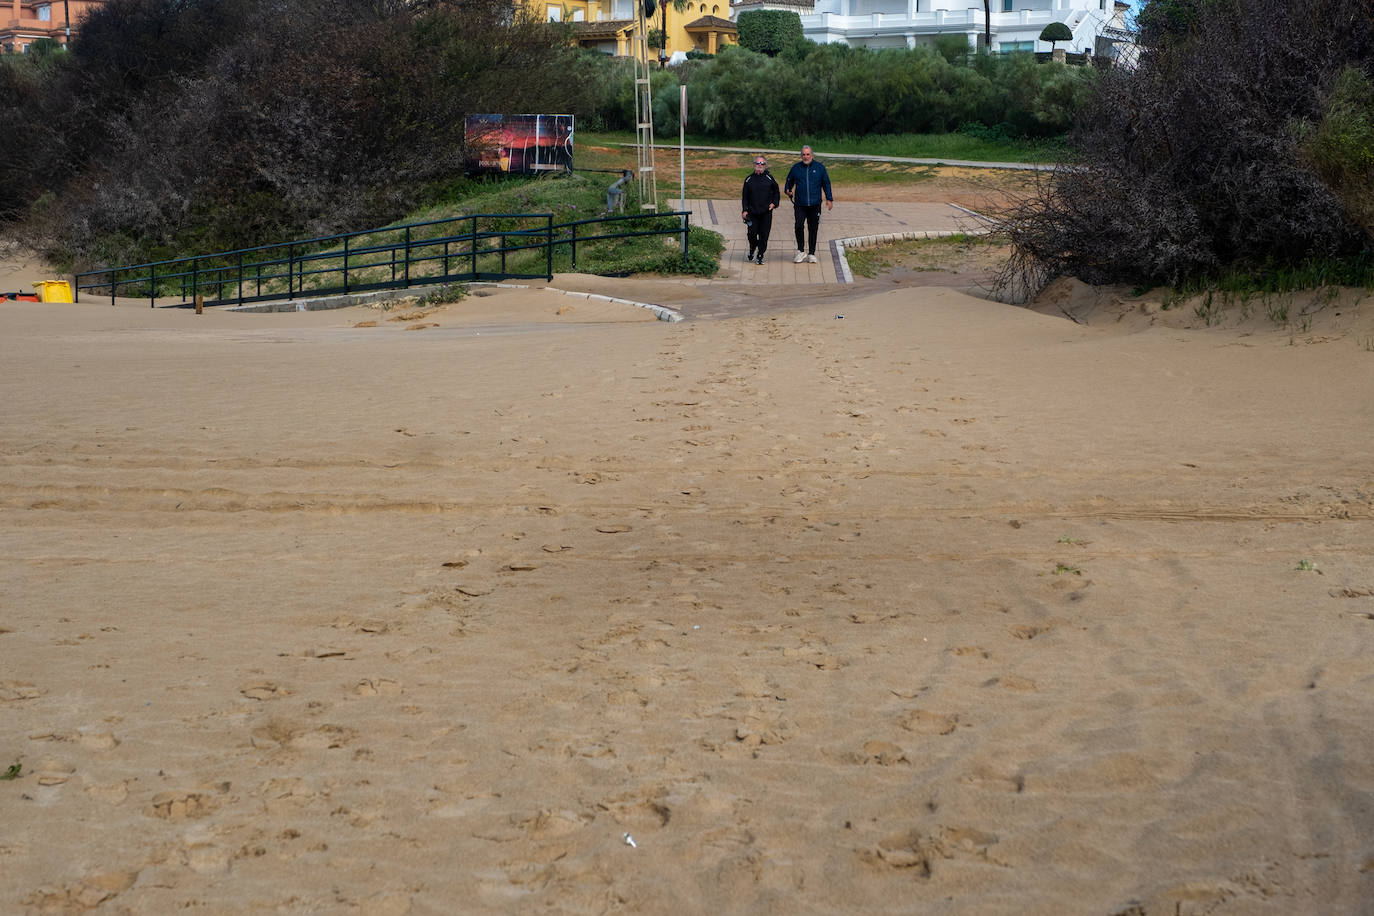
(811, 259)
(801, 256)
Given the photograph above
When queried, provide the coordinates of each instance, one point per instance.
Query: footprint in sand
(924, 722)
(264, 690)
(113, 793)
(90, 892)
(53, 772)
(1029, 631)
(18, 691)
(177, 805)
(882, 753)
(374, 687)
(1012, 682)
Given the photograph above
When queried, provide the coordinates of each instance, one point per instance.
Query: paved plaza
(848, 220)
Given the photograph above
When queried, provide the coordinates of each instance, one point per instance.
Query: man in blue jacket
(807, 184)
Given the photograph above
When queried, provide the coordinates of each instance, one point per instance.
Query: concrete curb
(324, 303)
(663, 313)
(839, 246)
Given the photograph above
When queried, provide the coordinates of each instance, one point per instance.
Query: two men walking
(807, 186)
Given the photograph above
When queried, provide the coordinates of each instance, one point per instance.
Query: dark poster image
(521, 144)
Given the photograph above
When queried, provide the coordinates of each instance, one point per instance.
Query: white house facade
(1098, 26)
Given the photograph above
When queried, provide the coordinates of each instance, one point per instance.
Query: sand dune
(914, 604)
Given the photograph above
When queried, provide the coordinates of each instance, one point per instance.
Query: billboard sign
(520, 144)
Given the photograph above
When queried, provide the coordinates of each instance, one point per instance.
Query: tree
(197, 125)
(769, 31)
(1163, 21)
(1056, 32)
(679, 6)
(1201, 160)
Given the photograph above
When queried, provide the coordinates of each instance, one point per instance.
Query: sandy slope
(940, 607)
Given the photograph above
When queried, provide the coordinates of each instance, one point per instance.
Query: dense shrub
(1340, 145)
(838, 89)
(177, 125)
(1237, 141)
(768, 31)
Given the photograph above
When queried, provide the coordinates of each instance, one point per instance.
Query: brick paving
(849, 219)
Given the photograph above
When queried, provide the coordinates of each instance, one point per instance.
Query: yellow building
(608, 25)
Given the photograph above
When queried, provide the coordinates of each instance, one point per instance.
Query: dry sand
(941, 606)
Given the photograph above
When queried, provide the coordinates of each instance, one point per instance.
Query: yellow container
(54, 290)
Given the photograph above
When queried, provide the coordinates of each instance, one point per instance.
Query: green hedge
(769, 31)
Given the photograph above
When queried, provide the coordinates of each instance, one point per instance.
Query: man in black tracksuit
(758, 200)
(807, 183)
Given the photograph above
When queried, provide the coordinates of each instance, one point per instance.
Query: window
(1006, 6)
(45, 14)
(555, 13)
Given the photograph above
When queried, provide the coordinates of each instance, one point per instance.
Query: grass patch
(944, 147)
(1278, 279)
(952, 253)
(513, 218)
(582, 196)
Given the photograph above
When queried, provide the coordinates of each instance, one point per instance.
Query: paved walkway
(825, 156)
(848, 220)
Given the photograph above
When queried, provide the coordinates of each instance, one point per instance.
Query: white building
(1098, 26)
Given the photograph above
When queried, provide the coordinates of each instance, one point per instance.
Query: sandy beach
(863, 601)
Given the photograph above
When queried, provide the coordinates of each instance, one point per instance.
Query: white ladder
(644, 113)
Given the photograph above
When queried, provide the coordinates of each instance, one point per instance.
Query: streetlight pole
(67, 15)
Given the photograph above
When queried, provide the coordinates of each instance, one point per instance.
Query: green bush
(1056, 32)
(769, 31)
(838, 89)
(1341, 145)
(1240, 143)
(227, 125)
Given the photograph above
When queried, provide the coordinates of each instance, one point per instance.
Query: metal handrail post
(574, 246)
(291, 272)
(345, 266)
(472, 245)
(686, 218)
(195, 279)
(114, 274)
(240, 278)
(407, 257)
(152, 286)
(548, 249)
